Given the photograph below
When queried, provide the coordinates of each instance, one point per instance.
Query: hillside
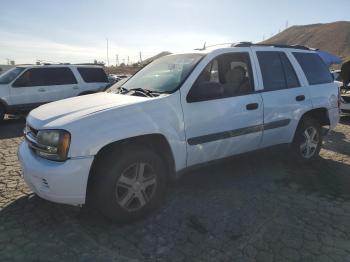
(331, 37)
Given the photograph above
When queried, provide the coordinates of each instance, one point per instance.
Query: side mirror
(205, 91)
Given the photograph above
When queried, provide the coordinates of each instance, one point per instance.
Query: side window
(229, 74)
(59, 76)
(277, 71)
(93, 75)
(45, 77)
(316, 71)
(289, 72)
(31, 77)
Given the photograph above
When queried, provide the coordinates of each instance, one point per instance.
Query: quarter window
(277, 71)
(93, 75)
(316, 71)
(45, 77)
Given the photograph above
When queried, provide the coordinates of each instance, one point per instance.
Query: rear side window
(93, 75)
(316, 71)
(46, 77)
(277, 71)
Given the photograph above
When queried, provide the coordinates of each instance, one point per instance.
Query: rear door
(229, 123)
(42, 85)
(284, 95)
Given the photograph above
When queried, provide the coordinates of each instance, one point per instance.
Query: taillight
(339, 97)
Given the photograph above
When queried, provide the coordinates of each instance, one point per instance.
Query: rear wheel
(308, 140)
(130, 186)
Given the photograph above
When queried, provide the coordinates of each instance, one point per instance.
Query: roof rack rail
(249, 44)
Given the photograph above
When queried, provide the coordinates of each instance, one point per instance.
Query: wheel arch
(319, 114)
(3, 104)
(156, 142)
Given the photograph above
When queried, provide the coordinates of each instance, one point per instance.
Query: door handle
(252, 106)
(300, 98)
(75, 87)
(41, 89)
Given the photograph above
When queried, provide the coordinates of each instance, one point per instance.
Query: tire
(2, 113)
(306, 148)
(129, 187)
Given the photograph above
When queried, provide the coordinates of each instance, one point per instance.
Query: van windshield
(165, 74)
(10, 75)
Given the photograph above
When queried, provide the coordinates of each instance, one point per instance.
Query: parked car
(112, 78)
(117, 151)
(345, 105)
(25, 87)
(345, 98)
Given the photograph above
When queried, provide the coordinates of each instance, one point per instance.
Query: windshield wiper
(122, 90)
(143, 91)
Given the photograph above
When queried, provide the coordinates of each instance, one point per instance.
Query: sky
(76, 31)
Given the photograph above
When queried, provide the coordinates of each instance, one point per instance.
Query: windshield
(10, 75)
(164, 74)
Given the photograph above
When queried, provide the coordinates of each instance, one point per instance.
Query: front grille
(32, 130)
(30, 135)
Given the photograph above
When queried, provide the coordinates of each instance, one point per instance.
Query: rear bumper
(60, 182)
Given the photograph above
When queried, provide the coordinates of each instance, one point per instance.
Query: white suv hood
(68, 110)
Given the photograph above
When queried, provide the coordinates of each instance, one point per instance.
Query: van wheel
(2, 113)
(129, 187)
(307, 141)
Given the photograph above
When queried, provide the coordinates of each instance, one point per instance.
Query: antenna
(203, 48)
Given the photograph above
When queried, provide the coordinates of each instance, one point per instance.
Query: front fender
(158, 116)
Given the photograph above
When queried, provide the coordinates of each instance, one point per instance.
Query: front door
(227, 121)
(41, 85)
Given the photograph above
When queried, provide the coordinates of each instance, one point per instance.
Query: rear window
(46, 77)
(316, 71)
(93, 75)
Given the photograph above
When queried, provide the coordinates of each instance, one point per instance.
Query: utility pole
(116, 60)
(287, 24)
(107, 53)
(140, 57)
(128, 60)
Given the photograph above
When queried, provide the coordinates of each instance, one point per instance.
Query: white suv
(24, 87)
(117, 150)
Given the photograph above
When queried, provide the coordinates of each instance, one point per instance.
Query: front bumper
(60, 182)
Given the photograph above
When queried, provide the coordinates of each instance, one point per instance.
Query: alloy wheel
(136, 186)
(310, 144)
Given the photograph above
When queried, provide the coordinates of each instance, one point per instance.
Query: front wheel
(131, 185)
(307, 141)
(2, 113)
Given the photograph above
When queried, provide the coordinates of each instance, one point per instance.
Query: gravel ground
(257, 207)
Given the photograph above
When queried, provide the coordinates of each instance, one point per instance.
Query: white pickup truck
(117, 150)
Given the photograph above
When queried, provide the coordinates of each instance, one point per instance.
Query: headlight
(53, 144)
